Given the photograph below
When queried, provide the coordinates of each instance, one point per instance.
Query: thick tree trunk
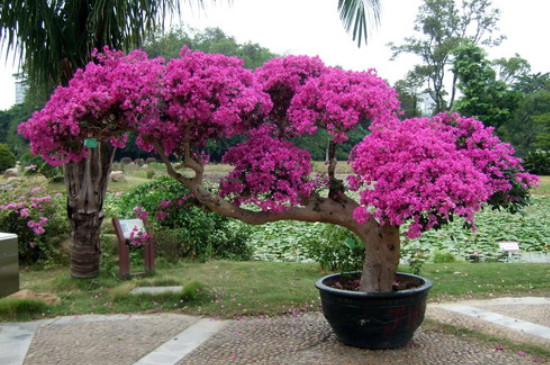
(382, 253)
(86, 183)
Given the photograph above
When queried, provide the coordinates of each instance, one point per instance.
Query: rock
(49, 299)
(5, 187)
(13, 172)
(117, 176)
(13, 180)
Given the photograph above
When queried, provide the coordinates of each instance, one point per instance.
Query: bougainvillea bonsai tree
(408, 176)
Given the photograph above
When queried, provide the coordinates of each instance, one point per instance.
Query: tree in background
(55, 38)
(407, 90)
(483, 96)
(9, 120)
(210, 40)
(511, 70)
(442, 26)
(7, 158)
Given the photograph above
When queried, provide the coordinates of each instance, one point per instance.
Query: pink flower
(140, 212)
(161, 215)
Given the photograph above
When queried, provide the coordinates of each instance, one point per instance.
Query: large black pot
(374, 320)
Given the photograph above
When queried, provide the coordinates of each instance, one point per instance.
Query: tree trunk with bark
(382, 254)
(86, 183)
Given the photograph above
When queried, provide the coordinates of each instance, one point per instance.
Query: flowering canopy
(420, 171)
(104, 101)
(429, 169)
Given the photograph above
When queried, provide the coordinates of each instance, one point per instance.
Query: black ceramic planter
(374, 320)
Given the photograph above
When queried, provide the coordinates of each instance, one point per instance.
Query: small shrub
(39, 221)
(7, 158)
(195, 292)
(537, 162)
(17, 309)
(440, 257)
(201, 235)
(126, 160)
(416, 260)
(150, 173)
(150, 160)
(336, 249)
(122, 292)
(36, 165)
(139, 161)
(168, 245)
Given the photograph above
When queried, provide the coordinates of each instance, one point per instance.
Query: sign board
(124, 229)
(509, 246)
(129, 225)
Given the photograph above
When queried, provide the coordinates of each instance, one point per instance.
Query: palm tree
(356, 15)
(54, 38)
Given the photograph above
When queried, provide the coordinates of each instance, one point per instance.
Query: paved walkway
(170, 339)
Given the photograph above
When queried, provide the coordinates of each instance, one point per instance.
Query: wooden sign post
(124, 229)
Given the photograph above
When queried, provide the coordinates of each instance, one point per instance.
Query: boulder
(13, 180)
(117, 176)
(5, 187)
(49, 299)
(13, 172)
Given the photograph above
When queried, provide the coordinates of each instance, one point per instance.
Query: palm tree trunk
(86, 183)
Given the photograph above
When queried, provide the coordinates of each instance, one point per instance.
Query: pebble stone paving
(307, 339)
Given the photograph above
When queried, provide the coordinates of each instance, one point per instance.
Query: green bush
(199, 234)
(39, 221)
(336, 249)
(7, 158)
(440, 257)
(17, 309)
(537, 162)
(36, 165)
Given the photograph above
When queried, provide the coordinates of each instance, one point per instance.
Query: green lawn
(235, 289)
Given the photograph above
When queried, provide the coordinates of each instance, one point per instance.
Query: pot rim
(426, 285)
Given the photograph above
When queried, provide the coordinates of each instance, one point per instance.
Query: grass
(544, 186)
(233, 289)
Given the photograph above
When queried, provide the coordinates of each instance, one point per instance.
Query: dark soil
(352, 281)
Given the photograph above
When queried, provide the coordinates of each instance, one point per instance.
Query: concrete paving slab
(157, 289)
(182, 344)
(509, 322)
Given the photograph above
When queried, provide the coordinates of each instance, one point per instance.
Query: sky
(312, 27)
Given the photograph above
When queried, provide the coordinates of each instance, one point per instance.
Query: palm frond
(357, 16)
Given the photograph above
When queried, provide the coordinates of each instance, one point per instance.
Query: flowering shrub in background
(184, 229)
(39, 221)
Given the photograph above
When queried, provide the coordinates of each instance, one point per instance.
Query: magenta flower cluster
(269, 172)
(429, 169)
(110, 97)
(32, 207)
(339, 100)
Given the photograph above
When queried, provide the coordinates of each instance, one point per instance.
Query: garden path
(166, 338)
